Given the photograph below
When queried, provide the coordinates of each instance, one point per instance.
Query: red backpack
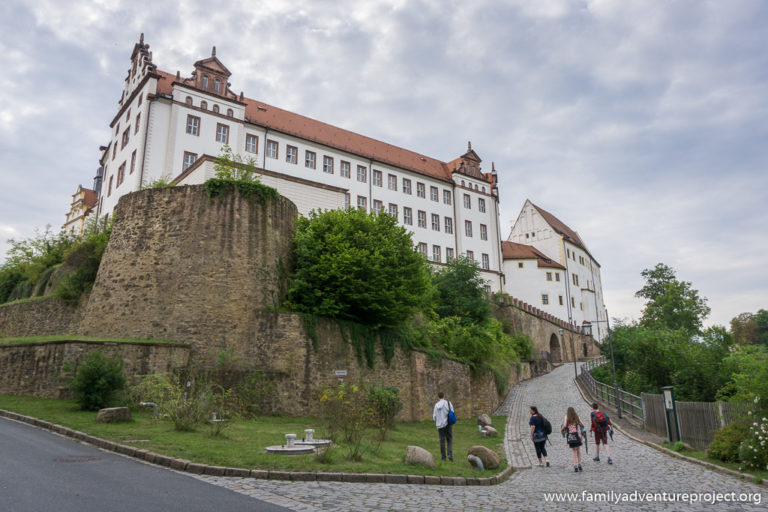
(601, 420)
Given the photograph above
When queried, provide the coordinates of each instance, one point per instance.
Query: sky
(643, 125)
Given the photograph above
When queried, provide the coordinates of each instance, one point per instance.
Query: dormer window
(230, 113)
(215, 109)
(205, 82)
(216, 84)
(203, 105)
(188, 101)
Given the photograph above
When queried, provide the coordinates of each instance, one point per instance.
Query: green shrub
(97, 381)
(347, 415)
(384, 404)
(753, 452)
(178, 397)
(725, 445)
(679, 446)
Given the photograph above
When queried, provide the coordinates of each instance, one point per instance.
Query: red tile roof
(560, 227)
(277, 119)
(515, 251)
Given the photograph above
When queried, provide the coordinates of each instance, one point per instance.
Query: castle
(171, 127)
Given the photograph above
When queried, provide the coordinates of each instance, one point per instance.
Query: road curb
(186, 466)
(709, 465)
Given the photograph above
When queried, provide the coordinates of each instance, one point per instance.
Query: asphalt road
(43, 472)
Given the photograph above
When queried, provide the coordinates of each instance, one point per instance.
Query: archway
(554, 349)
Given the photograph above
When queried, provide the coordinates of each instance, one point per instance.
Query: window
(117, 129)
(471, 256)
(126, 135)
(216, 85)
(407, 216)
(485, 261)
(468, 228)
(272, 148)
(422, 248)
(376, 178)
(487, 289)
(393, 210)
(114, 150)
(392, 182)
(215, 109)
(581, 259)
(483, 232)
(377, 206)
(346, 200)
(344, 169)
(138, 104)
(422, 219)
(189, 159)
(557, 276)
(133, 162)
(120, 174)
(519, 264)
(447, 196)
(581, 306)
(575, 279)
(205, 82)
(230, 113)
(573, 302)
(328, 164)
(448, 254)
(309, 159)
(549, 276)
(436, 253)
(188, 101)
(481, 204)
(560, 299)
(222, 133)
(128, 116)
(448, 223)
(136, 126)
(291, 154)
(467, 201)
(362, 202)
(544, 299)
(435, 222)
(203, 105)
(193, 125)
(406, 186)
(421, 190)
(567, 253)
(109, 191)
(362, 173)
(252, 143)
(433, 194)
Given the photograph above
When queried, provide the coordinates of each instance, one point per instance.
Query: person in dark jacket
(538, 436)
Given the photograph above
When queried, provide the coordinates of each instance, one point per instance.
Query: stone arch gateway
(555, 349)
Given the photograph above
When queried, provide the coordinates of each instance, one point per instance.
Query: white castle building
(172, 127)
(547, 265)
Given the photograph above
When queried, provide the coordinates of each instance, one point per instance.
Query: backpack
(546, 426)
(451, 415)
(601, 420)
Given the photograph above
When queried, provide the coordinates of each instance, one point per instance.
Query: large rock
(416, 455)
(490, 459)
(113, 415)
(484, 420)
(490, 431)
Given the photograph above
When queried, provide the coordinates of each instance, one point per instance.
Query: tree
(761, 319)
(357, 266)
(671, 304)
(744, 329)
(460, 292)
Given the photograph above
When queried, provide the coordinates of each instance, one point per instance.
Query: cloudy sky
(641, 124)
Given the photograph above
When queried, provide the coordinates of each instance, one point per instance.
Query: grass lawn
(702, 455)
(243, 443)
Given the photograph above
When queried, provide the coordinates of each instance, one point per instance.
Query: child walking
(572, 430)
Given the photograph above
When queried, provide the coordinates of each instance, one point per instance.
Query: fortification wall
(42, 369)
(39, 317)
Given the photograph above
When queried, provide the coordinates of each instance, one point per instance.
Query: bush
(753, 452)
(384, 403)
(178, 397)
(725, 445)
(347, 415)
(679, 446)
(97, 381)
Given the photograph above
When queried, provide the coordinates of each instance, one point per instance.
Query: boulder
(490, 431)
(490, 459)
(484, 420)
(113, 415)
(420, 456)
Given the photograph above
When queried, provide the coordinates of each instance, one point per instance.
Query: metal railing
(630, 404)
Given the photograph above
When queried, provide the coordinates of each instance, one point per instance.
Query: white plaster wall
(530, 283)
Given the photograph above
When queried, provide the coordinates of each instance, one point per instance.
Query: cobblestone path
(637, 468)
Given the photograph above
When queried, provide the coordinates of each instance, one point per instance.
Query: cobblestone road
(636, 468)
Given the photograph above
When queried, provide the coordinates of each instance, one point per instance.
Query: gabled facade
(584, 300)
(534, 278)
(171, 127)
(83, 201)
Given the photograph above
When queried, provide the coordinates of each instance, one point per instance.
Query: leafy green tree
(671, 304)
(744, 329)
(761, 319)
(357, 266)
(460, 293)
(97, 381)
(747, 367)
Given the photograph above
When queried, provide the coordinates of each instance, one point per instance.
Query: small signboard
(341, 373)
(668, 403)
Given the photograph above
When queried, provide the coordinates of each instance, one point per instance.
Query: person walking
(601, 426)
(572, 429)
(538, 436)
(444, 429)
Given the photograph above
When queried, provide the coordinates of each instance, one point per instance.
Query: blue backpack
(451, 414)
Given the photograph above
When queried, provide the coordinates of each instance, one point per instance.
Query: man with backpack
(601, 426)
(441, 415)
